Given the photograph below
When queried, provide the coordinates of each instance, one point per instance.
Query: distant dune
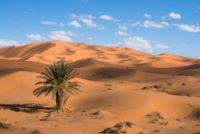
(155, 92)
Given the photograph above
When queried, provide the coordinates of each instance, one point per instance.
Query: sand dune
(123, 89)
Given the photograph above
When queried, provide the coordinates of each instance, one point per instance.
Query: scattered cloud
(134, 43)
(147, 24)
(83, 0)
(175, 16)
(198, 7)
(123, 27)
(161, 46)
(152, 24)
(60, 24)
(48, 23)
(32, 10)
(8, 43)
(133, 24)
(184, 44)
(69, 33)
(106, 17)
(74, 23)
(55, 35)
(185, 27)
(121, 33)
(25, 42)
(147, 15)
(59, 35)
(165, 23)
(90, 39)
(36, 37)
(74, 16)
(102, 27)
(52, 23)
(87, 20)
(163, 17)
(86, 16)
(113, 45)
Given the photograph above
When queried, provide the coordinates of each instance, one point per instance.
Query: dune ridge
(120, 86)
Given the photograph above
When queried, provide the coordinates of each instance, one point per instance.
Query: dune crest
(124, 90)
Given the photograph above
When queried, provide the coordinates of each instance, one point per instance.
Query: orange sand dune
(120, 85)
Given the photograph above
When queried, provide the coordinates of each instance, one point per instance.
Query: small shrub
(156, 131)
(107, 129)
(107, 85)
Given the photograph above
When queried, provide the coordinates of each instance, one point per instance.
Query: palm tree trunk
(59, 101)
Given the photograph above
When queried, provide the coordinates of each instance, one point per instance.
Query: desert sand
(123, 89)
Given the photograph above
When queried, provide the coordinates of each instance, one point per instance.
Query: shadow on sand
(28, 108)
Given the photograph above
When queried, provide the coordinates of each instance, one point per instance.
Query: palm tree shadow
(27, 108)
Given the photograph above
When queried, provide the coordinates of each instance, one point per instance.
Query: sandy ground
(124, 89)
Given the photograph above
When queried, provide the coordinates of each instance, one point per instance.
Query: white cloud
(83, 0)
(102, 27)
(185, 27)
(135, 43)
(184, 44)
(48, 23)
(134, 24)
(74, 23)
(61, 24)
(36, 37)
(74, 16)
(121, 33)
(106, 17)
(55, 35)
(25, 42)
(165, 23)
(152, 24)
(147, 15)
(59, 35)
(87, 20)
(52, 23)
(32, 10)
(175, 16)
(113, 45)
(87, 16)
(163, 17)
(69, 33)
(198, 7)
(161, 46)
(90, 39)
(123, 27)
(8, 43)
(147, 24)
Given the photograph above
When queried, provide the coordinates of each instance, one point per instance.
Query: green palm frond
(56, 81)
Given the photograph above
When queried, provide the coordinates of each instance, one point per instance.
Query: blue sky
(152, 26)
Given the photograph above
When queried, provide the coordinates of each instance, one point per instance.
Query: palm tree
(56, 80)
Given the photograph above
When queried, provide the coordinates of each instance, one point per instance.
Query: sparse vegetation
(183, 84)
(107, 129)
(56, 80)
(107, 85)
(109, 88)
(156, 131)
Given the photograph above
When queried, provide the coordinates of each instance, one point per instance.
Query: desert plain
(124, 91)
